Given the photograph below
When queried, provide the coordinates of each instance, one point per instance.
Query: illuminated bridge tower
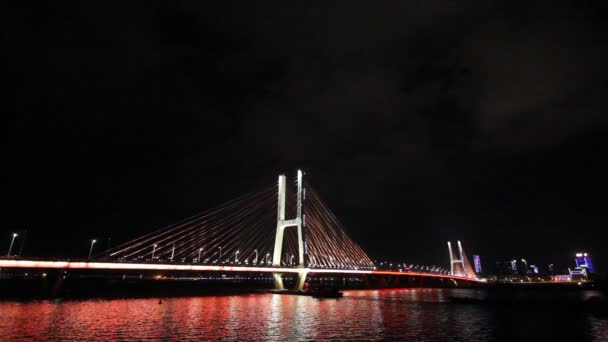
(283, 223)
(457, 261)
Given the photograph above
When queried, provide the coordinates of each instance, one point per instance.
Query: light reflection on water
(361, 315)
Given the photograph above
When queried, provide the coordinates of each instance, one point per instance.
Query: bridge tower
(283, 223)
(458, 261)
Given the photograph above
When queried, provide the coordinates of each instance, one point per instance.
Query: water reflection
(361, 315)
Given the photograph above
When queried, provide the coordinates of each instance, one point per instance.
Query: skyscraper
(477, 263)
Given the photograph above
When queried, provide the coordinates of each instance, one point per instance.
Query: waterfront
(403, 314)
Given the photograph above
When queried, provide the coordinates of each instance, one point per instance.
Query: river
(404, 314)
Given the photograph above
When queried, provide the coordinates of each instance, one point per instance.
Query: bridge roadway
(48, 264)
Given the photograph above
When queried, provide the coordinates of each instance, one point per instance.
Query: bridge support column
(301, 280)
(58, 284)
(278, 281)
(299, 285)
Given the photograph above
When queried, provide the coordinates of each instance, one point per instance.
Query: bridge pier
(278, 281)
(299, 284)
(301, 280)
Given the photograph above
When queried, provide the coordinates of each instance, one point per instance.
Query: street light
(91, 249)
(153, 250)
(220, 259)
(199, 255)
(10, 249)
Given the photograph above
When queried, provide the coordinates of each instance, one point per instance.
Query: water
(417, 315)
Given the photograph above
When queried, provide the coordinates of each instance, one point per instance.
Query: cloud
(539, 75)
(477, 77)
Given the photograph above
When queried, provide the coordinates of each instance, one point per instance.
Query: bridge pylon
(283, 223)
(456, 261)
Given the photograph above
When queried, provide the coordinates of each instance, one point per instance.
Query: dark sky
(417, 121)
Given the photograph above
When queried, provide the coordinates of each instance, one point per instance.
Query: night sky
(417, 121)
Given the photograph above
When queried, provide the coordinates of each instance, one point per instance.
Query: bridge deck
(46, 264)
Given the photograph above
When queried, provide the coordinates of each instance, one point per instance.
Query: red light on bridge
(172, 267)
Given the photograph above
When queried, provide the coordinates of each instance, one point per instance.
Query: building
(534, 269)
(522, 267)
(562, 277)
(578, 273)
(504, 268)
(477, 263)
(583, 260)
(510, 268)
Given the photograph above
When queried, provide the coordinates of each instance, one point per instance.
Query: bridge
(244, 235)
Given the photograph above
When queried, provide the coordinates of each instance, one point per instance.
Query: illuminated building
(583, 260)
(522, 268)
(519, 267)
(578, 273)
(509, 268)
(512, 267)
(477, 263)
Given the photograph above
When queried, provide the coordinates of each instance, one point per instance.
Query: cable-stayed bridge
(282, 229)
